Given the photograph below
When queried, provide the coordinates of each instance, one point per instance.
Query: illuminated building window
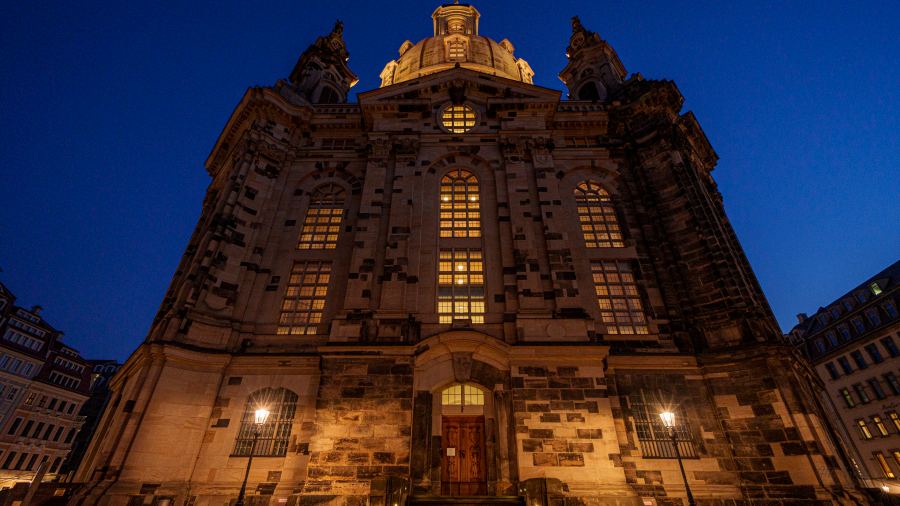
(462, 395)
(864, 429)
(885, 467)
(458, 119)
(304, 298)
(460, 206)
(275, 434)
(876, 290)
(597, 217)
(848, 398)
(879, 424)
(457, 51)
(460, 285)
(617, 295)
(895, 419)
(323, 218)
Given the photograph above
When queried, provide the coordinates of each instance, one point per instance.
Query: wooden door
(462, 467)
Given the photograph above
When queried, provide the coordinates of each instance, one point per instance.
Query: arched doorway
(463, 445)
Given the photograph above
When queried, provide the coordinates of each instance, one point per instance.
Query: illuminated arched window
(322, 224)
(460, 207)
(597, 216)
(462, 395)
(276, 432)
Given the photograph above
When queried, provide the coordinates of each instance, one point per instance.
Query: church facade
(463, 286)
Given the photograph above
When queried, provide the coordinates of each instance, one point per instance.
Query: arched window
(275, 433)
(323, 218)
(460, 206)
(597, 216)
(462, 395)
(589, 91)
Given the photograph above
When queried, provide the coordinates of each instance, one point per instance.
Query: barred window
(323, 218)
(460, 285)
(304, 298)
(275, 433)
(458, 119)
(460, 206)
(652, 434)
(617, 295)
(597, 217)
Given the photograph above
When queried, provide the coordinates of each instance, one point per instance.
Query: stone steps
(466, 500)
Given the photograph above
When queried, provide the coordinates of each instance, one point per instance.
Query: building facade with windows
(462, 284)
(854, 345)
(43, 384)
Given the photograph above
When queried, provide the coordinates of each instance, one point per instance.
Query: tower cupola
(321, 75)
(594, 70)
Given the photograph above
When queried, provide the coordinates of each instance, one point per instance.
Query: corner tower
(462, 285)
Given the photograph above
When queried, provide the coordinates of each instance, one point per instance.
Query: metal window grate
(275, 434)
(655, 441)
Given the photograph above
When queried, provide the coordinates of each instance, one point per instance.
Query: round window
(458, 119)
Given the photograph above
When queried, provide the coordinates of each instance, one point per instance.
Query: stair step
(466, 500)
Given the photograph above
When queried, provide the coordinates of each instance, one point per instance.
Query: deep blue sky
(108, 110)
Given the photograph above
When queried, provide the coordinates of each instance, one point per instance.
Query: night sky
(108, 111)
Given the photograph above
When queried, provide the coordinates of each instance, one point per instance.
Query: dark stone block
(538, 407)
(794, 448)
(581, 447)
(590, 433)
(571, 459)
(532, 445)
(763, 409)
(572, 395)
(574, 417)
(540, 433)
(550, 417)
(383, 457)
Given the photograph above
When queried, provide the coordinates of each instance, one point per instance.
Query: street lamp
(260, 417)
(668, 420)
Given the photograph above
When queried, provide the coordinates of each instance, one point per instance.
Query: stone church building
(464, 289)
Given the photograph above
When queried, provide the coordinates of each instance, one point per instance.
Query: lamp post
(668, 419)
(260, 417)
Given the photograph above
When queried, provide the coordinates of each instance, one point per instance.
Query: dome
(456, 42)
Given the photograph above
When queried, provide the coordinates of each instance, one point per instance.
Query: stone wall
(362, 427)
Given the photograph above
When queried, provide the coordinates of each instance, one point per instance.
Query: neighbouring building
(101, 372)
(463, 284)
(854, 345)
(43, 384)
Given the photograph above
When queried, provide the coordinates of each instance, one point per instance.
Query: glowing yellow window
(462, 395)
(304, 298)
(322, 224)
(617, 296)
(458, 119)
(460, 286)
(460, 207)
(597, 218)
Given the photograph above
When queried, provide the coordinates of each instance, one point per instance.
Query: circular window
(458, 119)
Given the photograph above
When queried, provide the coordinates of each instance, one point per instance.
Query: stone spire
(594, 70)
(321, 75)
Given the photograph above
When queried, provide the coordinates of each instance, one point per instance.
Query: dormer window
(456, 51)
(876, 290)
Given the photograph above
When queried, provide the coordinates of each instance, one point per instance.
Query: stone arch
(467, 358)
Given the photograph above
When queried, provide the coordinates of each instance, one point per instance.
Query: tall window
(617, 295)
(276, 432)
(460, 206)
(304, 298)
(653, 435)
(460, 285)
(599, 225)
(882, 462)
(323, 218)
(864, 429)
